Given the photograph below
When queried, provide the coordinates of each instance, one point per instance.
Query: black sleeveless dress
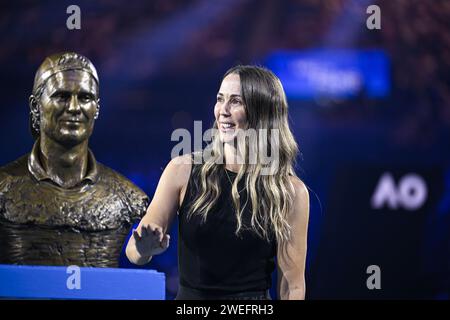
(213, 262)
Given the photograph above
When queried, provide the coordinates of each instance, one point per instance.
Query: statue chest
(95, 207)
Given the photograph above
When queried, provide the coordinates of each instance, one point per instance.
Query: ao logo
(410, 193)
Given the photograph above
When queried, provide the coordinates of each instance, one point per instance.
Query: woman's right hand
(150, 240)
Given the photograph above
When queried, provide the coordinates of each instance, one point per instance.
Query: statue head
(65, 100)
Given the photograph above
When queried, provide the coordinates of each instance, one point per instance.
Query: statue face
(68, 106)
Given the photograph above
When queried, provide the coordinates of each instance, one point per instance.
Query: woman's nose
(225, 109)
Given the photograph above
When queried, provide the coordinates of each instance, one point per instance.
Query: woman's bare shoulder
(300, 189)
(179, 168)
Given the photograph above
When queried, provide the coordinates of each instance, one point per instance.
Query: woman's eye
(219, 99)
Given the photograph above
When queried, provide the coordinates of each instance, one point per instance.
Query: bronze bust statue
(58, 205)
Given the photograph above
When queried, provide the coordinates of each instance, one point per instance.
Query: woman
(236, 212)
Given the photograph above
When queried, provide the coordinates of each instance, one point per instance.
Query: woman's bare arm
(291, 255)
(150, 236)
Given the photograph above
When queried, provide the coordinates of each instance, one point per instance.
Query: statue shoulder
(130, 193)
(15, 169)
(117, 178)
(12, 174)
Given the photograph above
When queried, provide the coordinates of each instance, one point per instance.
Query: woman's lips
(226, 126)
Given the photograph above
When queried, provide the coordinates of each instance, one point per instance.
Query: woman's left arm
(291, 255)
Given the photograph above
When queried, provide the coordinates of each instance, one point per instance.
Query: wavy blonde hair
(271, 195)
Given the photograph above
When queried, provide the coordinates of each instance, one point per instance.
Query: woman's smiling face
(229, 110)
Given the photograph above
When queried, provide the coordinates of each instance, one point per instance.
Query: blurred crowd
(414, 34)
(417, 37)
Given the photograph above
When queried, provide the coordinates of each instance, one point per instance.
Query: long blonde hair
(271, 195)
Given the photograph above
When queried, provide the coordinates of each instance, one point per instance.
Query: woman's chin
(227, 137)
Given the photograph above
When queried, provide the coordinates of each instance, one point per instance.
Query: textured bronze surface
(58, 205)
